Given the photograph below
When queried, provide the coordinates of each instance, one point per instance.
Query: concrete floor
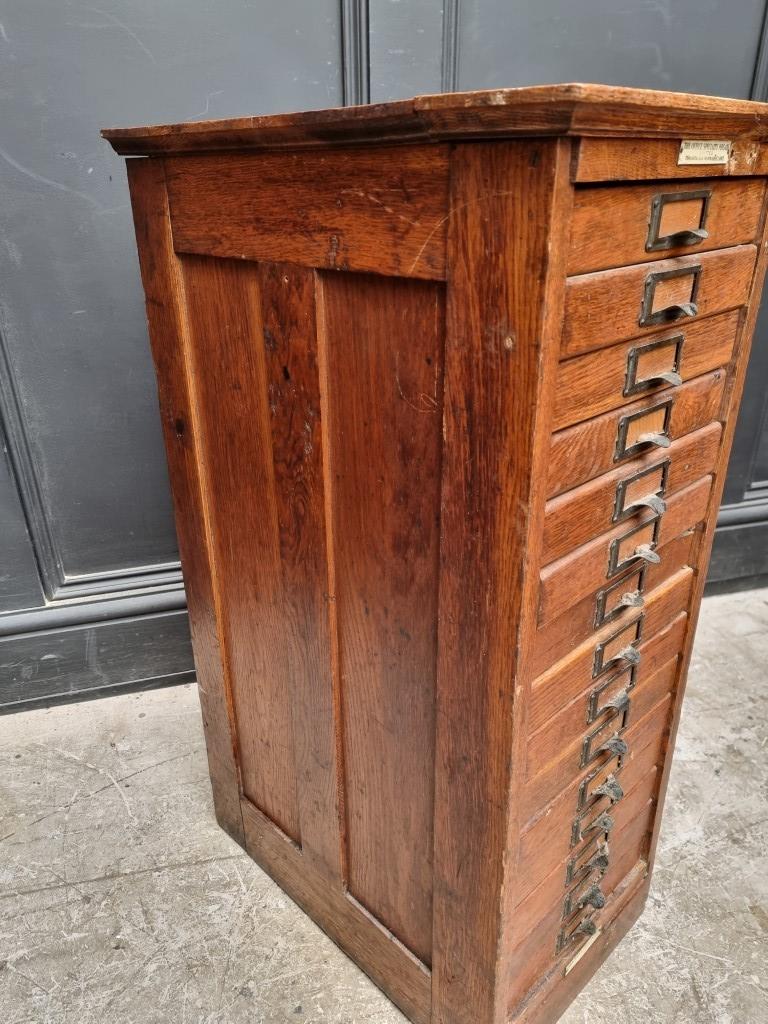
(122, 902)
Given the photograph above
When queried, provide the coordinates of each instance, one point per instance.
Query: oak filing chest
(448, 388)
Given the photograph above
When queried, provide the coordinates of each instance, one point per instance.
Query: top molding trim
(582, 110)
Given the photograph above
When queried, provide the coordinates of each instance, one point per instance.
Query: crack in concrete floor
(124, 903)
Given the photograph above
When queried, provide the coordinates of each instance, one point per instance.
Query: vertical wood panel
(163, 287)
(230, 384)
(256, 378)
(384, 351)
(506, 202)
(293, 393)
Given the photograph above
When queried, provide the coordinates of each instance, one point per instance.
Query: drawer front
(539, 934)
(580, 735)
(669, 581)
(643, 484)
(615, 226)
(580, 453)
(627, 547)
(610, 306)
(588, 894)
(537, 901)
(545, 787)
(599, 381)
(546, 843)
(656, 628)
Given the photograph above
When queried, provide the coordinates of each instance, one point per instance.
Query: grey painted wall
(90, 590)
(83, 487)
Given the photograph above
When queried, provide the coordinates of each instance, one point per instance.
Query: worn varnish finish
(445, 493)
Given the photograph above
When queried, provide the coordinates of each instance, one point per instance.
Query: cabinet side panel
(256, 380)
(384, 345)
(166, 315)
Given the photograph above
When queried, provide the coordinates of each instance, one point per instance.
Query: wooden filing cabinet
(448, 389)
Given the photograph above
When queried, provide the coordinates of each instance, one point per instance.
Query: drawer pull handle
(651, 501)
(617, 703)
(691, 237)
(615, 745)
(657, 439)
(587, 927)
(600, 860)
(602, 823)
(632, 599)
(669, 377)
(678, 311)
(593, 897)
(646, 552)
(610, 788)
(629, 654)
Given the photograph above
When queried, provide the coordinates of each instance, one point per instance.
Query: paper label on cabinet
(703, 151)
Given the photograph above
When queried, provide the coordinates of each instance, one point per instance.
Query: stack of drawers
(645, 356)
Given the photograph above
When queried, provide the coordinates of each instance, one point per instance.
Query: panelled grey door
(90, 589)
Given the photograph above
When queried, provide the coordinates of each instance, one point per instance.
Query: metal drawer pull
(587, 927)
(632, 599)
(593, 897)
(670, 377)
(610, 788)
(657, 439)
(600, 860)
(565, 938)
(678, 311)
(615, 745)
(602, 823)
(686, 236)
(629, 654)
(659, 372)
(617, 703)
(691, 237)
(593, 856)
(646, 552)
(651, 501)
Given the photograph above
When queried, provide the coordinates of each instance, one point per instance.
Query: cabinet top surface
(572, 109)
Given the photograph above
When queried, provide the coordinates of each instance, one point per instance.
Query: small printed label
(703, 151)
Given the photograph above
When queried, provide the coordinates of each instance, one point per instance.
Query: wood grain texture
(532, 957)
(655, 159)
(546, 842)
(565, 581)
(573, 675)
(268, 533)
(631, 827)
(384, 351)
(180, 418)
(569, 109)
(503, 309)
(372, 209)
(610, 225)
(594, 383)
(565, 731)
(582, 452)
(604, 308)
(387, 962)
(547, 1002)
(552, 780)
(568, 630)
(573, 518)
